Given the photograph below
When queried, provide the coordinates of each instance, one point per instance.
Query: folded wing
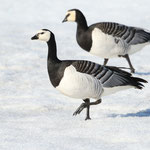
(129, 35)
(109, 76)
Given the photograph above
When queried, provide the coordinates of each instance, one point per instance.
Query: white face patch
(71, 15)
(43, 35)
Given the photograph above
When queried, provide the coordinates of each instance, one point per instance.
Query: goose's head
(72, 15)
(42, 35)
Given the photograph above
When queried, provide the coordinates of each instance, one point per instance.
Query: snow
(34, 115)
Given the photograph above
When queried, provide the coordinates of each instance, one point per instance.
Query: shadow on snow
(143, 73)
(143, 113)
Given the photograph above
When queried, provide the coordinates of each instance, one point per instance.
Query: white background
(33, 115)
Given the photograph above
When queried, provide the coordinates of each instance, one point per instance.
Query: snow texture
(34, 115)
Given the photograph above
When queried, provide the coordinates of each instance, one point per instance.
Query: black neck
(52, 49)
(81, 22)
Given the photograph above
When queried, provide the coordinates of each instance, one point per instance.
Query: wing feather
(129, 35)
(108, 75)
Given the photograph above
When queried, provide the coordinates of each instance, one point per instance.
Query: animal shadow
(143, 73)
(143, 113)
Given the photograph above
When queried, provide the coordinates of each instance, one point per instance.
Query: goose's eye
(42, 32)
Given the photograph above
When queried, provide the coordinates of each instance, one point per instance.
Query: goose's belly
(79, 85)
(135, 48)
(112, 90)
(104, 45)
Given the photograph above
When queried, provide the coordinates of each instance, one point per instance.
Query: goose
(108, 39)
(82, 79)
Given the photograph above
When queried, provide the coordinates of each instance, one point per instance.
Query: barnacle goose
(84, 79)
(108, 39)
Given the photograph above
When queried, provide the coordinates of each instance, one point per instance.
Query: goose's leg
(79, 109)
(87, 101)
(86, 105)
(105, 61)
(129, 62)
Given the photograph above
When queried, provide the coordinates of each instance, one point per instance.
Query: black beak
(65, 19)
(34, 37)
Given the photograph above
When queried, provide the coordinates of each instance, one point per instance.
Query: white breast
(104, 45)
(79, 85)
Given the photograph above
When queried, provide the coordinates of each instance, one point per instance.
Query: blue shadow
(143, 113)
(143, 73)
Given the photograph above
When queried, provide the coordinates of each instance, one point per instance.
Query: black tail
(137, 82)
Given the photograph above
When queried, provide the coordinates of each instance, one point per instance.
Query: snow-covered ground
(33, 115)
